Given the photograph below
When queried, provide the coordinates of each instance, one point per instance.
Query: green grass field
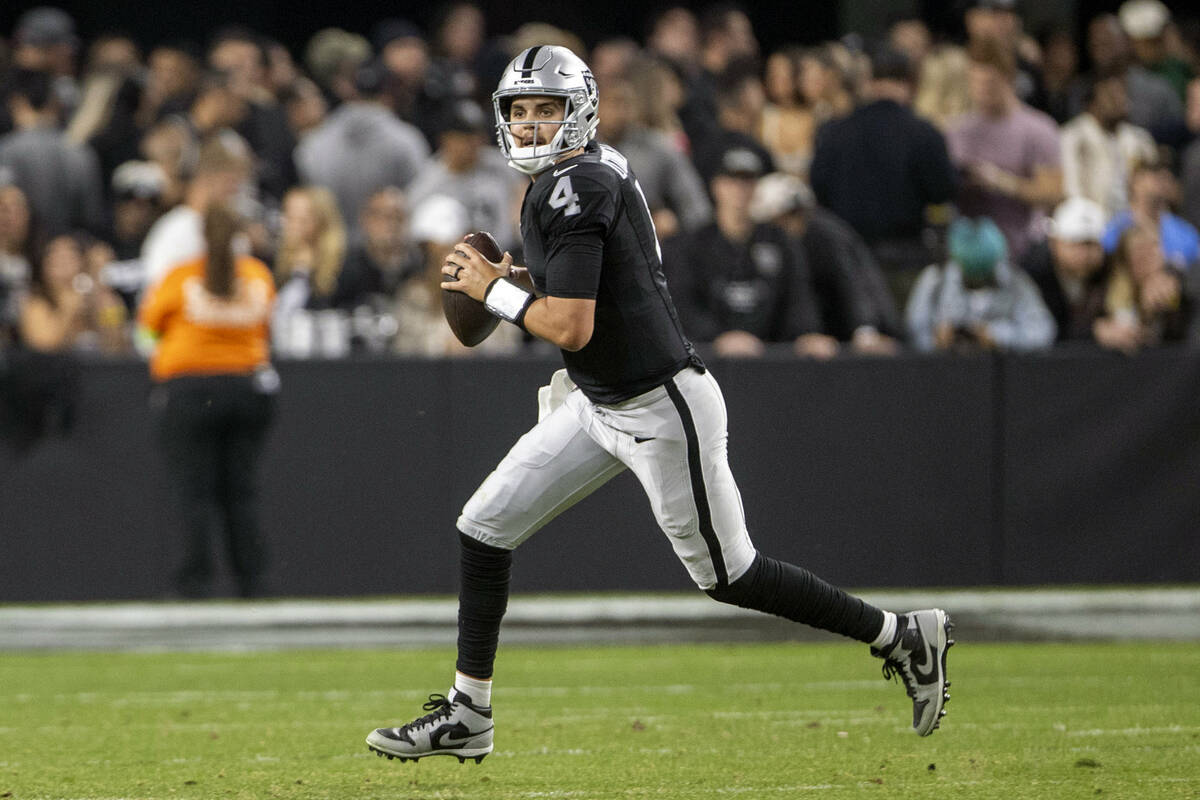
(774, 721)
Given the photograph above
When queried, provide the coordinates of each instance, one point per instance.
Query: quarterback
(634, 395)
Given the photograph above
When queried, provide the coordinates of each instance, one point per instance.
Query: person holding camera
(977, 300)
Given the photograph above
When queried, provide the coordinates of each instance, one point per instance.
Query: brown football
(470, 321)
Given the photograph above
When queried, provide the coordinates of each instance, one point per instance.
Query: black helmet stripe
(527, 67)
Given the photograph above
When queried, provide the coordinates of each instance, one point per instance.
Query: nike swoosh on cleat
(929, 661)
(558, 172)
(442, 736)
(641, 439)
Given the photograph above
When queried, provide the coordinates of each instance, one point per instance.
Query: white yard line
(1160, 613)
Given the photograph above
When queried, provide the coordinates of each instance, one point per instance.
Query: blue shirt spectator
(1180, 241)
(1150, 188)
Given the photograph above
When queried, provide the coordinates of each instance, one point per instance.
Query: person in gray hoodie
(362, 147)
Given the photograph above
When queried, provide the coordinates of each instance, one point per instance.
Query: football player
(635, 395)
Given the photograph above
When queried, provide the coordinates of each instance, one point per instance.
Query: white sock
(887, 633)
(480, 691)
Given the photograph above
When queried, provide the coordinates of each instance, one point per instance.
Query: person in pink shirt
(1007, 152)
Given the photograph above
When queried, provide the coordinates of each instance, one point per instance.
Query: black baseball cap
(465, 116)
(739, 162)
(45, 26)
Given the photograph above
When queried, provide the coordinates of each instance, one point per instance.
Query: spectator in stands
(911, 36)
(726, 37)
(317, 294)
(1190, 160)
(312, 250)
(881, 167)
(305, 106)
(941, 94)
(977, 300)
(613, 59)
(334, 57)
(215, 106)
(106, 119)
(68, 309)
(172, 77)
(740, 285)
(282, 69)
(414, 92)
(240, 54)
(1145, 23)
(216, 392)
(466, 168)
(1070, 268)
(740, 99)
(138, 188)
(172, 147)
(674, 35)
(673, 189)
(222, 168)
(661, 93)
(44, 40)
(1063, 85)
(853, 299)
(463, 58)
(361, 147)
(1150, 190)
(1145, 304)
(1099, 148)
(1153, 103)
(532, 34)
(1009, 153)
(61, 179)
(381, 249)
(16, 238)
(997, 22)
(828, 81)
(788, 127)
(438, 223)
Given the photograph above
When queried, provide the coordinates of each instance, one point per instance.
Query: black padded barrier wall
(1058, 468)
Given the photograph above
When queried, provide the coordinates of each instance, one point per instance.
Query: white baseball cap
(1143, 19)
(439, 218)
(779, 193)
(1078, 219)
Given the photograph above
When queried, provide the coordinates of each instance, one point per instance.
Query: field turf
(711, 721)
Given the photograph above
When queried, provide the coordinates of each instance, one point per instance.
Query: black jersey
(588, 234)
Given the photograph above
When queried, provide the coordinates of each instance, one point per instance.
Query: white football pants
(674, 440)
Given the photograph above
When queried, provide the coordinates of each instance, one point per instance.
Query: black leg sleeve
(482, 600)
(785, 590)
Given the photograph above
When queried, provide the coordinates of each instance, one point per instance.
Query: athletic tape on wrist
(507, 301)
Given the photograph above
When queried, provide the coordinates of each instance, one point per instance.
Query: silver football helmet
(546, 70)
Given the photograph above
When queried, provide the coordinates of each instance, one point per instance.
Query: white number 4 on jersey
(564, 195)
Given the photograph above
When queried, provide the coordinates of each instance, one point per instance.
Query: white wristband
(507, 300)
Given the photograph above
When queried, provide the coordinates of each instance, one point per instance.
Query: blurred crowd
(1008, 189)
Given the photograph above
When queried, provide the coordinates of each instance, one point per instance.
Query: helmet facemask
(537, 157)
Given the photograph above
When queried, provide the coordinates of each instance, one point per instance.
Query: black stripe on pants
(699, 492)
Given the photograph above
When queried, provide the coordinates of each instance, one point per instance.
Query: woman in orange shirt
(216, 390)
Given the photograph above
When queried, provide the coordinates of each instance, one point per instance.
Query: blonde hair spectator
(314, 238)
(942, 86)
(828, 77)
(532, 34)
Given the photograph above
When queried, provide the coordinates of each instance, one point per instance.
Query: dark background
(1058, 468)
(776, 22)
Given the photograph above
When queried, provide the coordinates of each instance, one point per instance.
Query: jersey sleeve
(160, 302)
(576, 216)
